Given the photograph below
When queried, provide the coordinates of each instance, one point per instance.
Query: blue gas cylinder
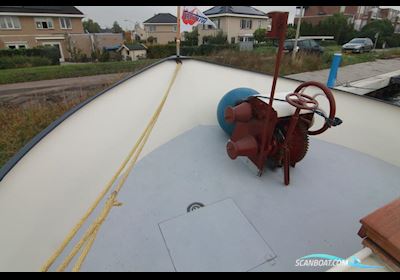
(232, 98)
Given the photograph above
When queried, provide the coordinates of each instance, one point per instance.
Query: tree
(91, 26)
(291, 32)
(306, 29)
(191, 38)
(260, 35)
(383, 27)
(116, 28)
(338, 26)
(219, 39)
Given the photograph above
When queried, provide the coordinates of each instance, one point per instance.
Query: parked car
(358, 45)
(304, 45)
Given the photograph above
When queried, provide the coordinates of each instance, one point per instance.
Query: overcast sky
(106, 15)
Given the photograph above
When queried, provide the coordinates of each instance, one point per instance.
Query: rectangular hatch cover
(217, 237)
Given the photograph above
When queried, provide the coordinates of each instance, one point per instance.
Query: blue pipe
(337, 58)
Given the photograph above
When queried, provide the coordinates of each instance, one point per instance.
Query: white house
(133, 51)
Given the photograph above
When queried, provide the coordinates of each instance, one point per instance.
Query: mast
(178, 30)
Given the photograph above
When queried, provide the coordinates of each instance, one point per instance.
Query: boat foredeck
(249, 223)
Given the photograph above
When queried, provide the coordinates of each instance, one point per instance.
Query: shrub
(219, 39)
(392, 41)
(77, 55)
(336, 25)
(20, 61)
(161, 51)
(328, 43)
(51, 53)
(260, 35)
(104, 56)
(115, 56)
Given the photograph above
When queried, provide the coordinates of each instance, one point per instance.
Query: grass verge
(8, 76)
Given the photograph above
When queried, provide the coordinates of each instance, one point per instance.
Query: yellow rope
(91, 233)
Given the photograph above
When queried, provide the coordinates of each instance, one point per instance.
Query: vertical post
(278, 31)
(376, 39)
(178, 30)
(337, 57)
(297, 34)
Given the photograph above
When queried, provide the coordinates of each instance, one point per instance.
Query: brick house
(238, 23)
(59, 26)
(32, 26)
(357, 15)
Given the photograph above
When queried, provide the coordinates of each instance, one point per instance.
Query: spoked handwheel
(307, 102)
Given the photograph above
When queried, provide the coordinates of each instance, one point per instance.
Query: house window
(9, 23)
(152, 28)
(65, 23)
(174, 28)
(44, 23)
(217, 23)
(246, 24)
(16, 46)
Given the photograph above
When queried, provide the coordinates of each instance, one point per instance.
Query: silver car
(358, 45)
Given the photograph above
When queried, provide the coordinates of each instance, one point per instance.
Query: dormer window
(44, 23)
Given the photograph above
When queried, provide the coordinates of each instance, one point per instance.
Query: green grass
(265, 50)
(263, 59)
(69, 71)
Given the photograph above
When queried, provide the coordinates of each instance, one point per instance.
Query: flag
(191, 17)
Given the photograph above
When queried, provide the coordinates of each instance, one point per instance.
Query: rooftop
(41, 9)
(162, 18)
(240, 10)
(134, 47)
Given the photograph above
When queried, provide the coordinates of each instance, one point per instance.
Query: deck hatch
(216, 237)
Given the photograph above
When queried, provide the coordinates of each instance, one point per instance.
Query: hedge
(162, 51)
(50, 53)
(19, 61)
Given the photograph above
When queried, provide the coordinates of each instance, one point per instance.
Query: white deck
(50, 189)
(318, 213)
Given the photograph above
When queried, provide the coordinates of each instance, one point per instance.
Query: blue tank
(232, 98)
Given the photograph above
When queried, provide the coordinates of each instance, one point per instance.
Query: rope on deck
(90, 235)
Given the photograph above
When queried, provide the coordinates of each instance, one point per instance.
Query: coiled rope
(89, 237)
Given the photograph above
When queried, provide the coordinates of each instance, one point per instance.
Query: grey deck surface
(331, 189)
(351, 73)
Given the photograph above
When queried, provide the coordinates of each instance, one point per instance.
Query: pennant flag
(191, 17)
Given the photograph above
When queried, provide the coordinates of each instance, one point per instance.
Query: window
(44, 23)
(152, 28)
(174, 28)
(14, 46)
(9, 23)
(217, 23)
(246, 39)
(246, 24)
(65, 23)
